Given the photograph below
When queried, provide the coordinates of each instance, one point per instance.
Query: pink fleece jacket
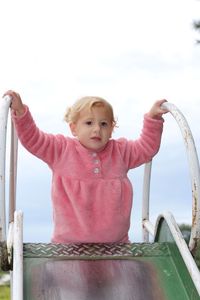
(91, 193)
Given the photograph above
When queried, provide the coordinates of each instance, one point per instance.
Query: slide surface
(101, 271)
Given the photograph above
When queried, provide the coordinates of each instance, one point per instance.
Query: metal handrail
(13, 173)
(4, 111)
(194, 175)
(145, 206)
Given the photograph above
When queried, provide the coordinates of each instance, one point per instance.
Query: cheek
(109, 134)
(111, 131)
(84, 133)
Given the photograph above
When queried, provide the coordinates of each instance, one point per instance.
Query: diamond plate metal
(94, 251)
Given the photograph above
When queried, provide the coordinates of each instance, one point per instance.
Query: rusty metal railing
(12, 243)
(4, 110)
(194, 175)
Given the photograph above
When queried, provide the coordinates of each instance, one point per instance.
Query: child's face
(93, 128)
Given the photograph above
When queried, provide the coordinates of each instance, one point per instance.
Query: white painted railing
(195, 180)
(4, 107)
(14, 238)
(4, 110)
(17, 276)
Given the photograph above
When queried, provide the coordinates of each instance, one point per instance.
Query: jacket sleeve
(142, 150)
(47, 147)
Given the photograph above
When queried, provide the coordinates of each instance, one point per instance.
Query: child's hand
(156, 111)
(16, 102)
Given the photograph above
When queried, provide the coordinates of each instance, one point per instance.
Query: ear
(73, 128)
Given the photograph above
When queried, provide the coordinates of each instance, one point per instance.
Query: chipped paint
(193, 162)
(4, 108)
(195, 206)
(194, 169)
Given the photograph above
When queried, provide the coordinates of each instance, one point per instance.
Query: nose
(96, 128)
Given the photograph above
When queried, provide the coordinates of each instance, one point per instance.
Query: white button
(96, 161)
(94, 154)
(96, 170)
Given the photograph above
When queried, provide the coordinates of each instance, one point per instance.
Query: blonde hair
(72, 113)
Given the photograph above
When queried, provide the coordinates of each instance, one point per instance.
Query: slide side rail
(193, 163)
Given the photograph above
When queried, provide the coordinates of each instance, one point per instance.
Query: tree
(185, 230)
(196, 25)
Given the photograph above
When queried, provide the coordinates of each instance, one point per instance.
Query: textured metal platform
(88, 251)
(137, 271)
(92, 271)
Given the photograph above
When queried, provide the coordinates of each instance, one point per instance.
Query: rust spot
(194, 214)
(195, 201)
(195, 248)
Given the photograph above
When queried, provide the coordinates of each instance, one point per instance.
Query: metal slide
(161, 270)
(127, 272)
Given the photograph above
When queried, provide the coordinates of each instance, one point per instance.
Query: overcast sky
(131, 52)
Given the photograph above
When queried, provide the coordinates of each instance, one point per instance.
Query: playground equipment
(164, 269)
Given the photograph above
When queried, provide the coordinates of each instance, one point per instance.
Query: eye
(89, 123)
(104, 124)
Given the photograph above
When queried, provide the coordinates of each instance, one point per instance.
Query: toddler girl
(91, 193)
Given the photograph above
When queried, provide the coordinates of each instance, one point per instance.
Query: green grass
(4, 292)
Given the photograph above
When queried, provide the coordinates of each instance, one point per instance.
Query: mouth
(96, 138)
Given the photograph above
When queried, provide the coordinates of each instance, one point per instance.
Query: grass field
(4, 292)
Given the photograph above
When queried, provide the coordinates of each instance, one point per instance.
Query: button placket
(96, 169)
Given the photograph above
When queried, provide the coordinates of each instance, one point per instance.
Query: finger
(162, 101)
(8, 93)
